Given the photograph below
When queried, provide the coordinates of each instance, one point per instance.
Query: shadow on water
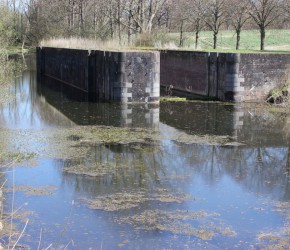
(175, 175)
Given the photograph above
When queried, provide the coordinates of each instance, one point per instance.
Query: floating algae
(193, 223)
(92, 170)
(116, 202)
(177, 222)
(73, 142)
(281, 238)
(128, 200)
(28, 190)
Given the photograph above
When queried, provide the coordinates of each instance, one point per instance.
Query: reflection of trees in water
(10, 68)
(201, 118)
(262, 127)
(28, 109)
(118, 167)
(259, 170)
(287, 174)
(252, 124)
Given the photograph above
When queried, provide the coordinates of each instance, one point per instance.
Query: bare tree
(239, 15)
(143, 13)
(180, 17)
(216, 17)
(286, 11)
(264, 13)
(197, 17)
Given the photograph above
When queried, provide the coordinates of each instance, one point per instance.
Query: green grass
(172, 99)
(277, 41)
(12, 50)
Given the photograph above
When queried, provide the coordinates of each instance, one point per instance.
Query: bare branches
(216, 16)
(238, 13)
(264, 13)
(34, 20)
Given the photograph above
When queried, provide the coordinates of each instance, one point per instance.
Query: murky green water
(174, 176)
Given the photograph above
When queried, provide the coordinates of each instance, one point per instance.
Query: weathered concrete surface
(185, 71)
(259, 73)
(225, 76)
(129, 77)
(125, 77)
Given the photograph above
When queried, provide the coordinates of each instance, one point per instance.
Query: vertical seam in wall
(217, 74)
(43, 61)
(208, 72)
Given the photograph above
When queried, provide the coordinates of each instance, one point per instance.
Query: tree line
(27, 22)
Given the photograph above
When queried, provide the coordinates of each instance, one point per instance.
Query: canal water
(179, 175)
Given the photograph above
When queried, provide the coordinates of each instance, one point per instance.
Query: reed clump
(81, 43)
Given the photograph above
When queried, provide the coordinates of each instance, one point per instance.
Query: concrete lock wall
(136, 76)
(224, 76)
(185, 71)
(259, 73)
(125, 77)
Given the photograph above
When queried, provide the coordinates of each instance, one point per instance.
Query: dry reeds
(90, 44)
(81, 43)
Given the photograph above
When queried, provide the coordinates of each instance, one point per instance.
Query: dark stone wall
(259, 73)
(104, 75)
(185, 70)
(68, 66)
(226, 76)
(136, 76)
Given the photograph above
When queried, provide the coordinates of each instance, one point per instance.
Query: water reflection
(74, 105)
(155, 193)
(249, 124)
(258, 170)
(52, 105)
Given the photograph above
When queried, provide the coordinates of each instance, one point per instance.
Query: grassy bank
(9, 69)
(277, 41)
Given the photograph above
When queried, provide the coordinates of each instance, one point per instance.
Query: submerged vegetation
(129, 200)
(280, 239)
(62, 146)
(194, 223)
(178, 222)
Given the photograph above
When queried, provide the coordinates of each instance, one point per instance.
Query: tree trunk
(81, 19)
(215, 38)
(238, 39)
(196, 39)
(141, 16)
(111, 24)
(119, 22)
(129, 30)
(263, 35)
(181, 35)
(72, 14)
